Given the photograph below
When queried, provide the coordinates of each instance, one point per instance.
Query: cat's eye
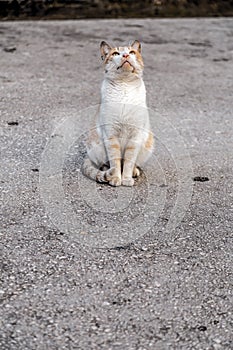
(115, 53)
(132, 52)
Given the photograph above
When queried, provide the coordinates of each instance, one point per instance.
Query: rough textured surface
(163, 291)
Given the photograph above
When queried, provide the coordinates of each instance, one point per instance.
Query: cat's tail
(91, 171)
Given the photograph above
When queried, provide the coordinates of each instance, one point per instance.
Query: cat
(121, 141)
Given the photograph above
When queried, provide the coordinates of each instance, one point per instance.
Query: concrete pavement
(152, 269)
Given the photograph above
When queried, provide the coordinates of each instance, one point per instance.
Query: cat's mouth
(125, 63)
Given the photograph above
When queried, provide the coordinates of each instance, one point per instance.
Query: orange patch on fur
(139, 59)
(115, 146)
(130, 148)
(109, 56)
(150, 141)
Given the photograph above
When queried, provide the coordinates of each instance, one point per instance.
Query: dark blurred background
(78, 9)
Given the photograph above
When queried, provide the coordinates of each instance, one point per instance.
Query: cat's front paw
(128, 181)
(112, 178)
(115, 181)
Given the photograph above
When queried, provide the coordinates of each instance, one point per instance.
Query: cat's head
(125, 61)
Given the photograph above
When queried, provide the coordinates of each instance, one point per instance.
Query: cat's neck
(127, 79)
(124, 90)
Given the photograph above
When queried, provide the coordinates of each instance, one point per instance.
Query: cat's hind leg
(145, 151)
(90, 170)
(95, 165)
(105, 166)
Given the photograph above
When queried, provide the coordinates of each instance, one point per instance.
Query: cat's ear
(137, 46)
(104, 49)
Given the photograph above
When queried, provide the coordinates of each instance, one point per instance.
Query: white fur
(123, 119)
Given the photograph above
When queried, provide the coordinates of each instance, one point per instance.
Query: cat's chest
(133, 94)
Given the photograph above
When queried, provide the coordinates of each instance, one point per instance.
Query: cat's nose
(125, 55)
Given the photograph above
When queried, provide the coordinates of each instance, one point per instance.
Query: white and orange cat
(121, 141)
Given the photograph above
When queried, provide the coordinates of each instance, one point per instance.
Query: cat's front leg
(113, 175)
(130, 156)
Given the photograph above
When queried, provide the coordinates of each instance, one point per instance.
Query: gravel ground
(152, 267)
